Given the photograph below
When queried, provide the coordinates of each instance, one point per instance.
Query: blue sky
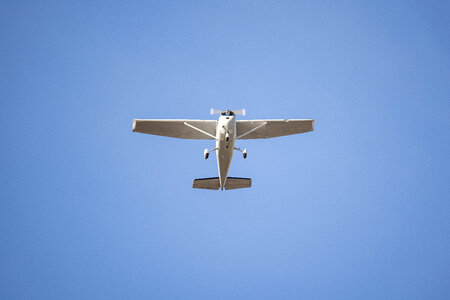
(357, 209)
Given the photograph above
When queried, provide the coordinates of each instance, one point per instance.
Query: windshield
(225, 113)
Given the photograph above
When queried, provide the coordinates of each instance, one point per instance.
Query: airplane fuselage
(225, 139)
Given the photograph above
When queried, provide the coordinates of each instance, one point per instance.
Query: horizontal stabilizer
(213, 183)
(237, 183)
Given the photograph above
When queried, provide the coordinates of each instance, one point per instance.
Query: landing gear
(244, 153)
(206, 152)
(227, 134)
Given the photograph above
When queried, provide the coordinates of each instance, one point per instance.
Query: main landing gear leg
(244, 152)
(206, 152)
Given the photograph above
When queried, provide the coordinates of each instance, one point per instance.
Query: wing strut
(198, 129)
(250, 131)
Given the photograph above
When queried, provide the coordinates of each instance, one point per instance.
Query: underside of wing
(183, 129)
(263, 129)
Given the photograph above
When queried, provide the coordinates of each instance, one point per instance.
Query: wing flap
(272, 128)
(183, 129)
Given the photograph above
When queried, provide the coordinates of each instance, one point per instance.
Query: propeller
(213, 111)
(236, 112)
(239, 112)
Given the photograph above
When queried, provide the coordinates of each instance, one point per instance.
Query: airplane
(225, 131)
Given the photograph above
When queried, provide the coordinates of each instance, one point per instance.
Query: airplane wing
(183, 129)
(263, 129)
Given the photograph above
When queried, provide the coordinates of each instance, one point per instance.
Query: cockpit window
(225, 113)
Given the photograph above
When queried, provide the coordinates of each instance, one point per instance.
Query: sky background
(357, 209)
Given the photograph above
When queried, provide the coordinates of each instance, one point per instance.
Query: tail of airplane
(213, 183)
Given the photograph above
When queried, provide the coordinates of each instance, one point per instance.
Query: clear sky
(357, 209)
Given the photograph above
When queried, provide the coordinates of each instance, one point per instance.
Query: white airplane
(225, 131)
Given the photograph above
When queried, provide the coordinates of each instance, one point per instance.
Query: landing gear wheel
(244, 153)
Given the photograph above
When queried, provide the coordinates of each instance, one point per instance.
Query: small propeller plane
(225, 132)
